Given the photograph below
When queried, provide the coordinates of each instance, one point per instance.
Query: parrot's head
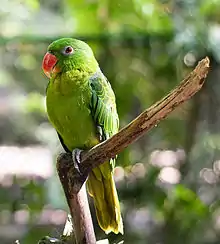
(67, 54)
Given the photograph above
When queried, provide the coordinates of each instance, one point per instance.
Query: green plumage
(81, 106)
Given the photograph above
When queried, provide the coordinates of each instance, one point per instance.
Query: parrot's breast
(70, 115)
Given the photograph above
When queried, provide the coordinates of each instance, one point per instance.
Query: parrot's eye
(68, 50)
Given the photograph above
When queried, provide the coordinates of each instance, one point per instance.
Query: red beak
(49, 64)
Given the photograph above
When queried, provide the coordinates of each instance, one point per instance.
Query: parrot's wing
(103, 107)
(100, 182)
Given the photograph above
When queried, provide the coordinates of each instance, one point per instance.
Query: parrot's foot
(76, 158)
(80, 178)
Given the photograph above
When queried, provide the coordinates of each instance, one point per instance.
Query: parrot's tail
(101, 187)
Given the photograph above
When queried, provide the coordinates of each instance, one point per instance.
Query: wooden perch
(73, 178)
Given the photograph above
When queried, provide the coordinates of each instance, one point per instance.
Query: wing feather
(103, 107)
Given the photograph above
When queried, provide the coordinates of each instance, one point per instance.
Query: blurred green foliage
(144, 48)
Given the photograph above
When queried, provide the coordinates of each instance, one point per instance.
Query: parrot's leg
(79, 175)
(76, 158)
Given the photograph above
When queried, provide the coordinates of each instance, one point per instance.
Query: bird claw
(79, 176)
(76, 158)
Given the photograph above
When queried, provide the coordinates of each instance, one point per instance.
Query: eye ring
(68, 50)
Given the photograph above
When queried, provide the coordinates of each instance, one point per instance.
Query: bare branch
(77, 201)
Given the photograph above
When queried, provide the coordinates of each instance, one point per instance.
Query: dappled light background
(168, 181)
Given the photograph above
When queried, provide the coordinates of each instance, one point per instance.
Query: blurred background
(168, 181)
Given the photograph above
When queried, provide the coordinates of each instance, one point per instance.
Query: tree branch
(73, 178)
(77, 201)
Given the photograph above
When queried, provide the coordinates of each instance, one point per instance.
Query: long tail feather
(103, 191)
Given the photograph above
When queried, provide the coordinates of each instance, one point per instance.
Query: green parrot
(81, 107)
